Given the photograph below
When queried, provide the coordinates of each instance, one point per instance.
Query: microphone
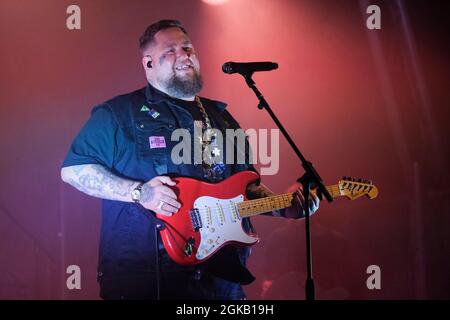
(247, 68)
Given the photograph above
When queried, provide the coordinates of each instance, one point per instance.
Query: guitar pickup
(195, 219)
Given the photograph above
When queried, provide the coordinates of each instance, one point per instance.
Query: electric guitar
(211, 214)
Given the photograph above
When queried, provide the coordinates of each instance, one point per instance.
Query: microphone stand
(310, 179)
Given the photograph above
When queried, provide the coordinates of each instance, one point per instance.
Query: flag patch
(155, 114)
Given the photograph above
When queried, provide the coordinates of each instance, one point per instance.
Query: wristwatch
(136, 193)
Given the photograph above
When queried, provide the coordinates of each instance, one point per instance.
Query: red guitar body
(208, 219)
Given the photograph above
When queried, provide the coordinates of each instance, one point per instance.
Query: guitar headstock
(354, 188)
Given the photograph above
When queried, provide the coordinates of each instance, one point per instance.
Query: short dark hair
(149, 33)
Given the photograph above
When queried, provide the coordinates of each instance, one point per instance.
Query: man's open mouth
(183, 67)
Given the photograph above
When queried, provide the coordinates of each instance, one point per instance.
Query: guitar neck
(258, 206)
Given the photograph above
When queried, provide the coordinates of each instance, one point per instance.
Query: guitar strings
(253, 204)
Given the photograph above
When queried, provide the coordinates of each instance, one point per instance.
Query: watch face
(135, 194)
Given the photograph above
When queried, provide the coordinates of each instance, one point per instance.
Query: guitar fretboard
(258, 206)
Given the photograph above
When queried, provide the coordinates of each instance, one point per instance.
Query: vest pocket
(153, 138)
(153, 143)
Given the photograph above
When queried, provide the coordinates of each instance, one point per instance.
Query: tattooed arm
(97, 181)
(295, 211)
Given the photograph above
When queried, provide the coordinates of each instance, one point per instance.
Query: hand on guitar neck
(296, 211)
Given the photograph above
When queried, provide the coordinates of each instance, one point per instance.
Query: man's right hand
(158, 197)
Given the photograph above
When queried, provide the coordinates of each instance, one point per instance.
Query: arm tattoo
(116, 184)
(97, 181)
(147, 193)
(90, 182)
(258, 191)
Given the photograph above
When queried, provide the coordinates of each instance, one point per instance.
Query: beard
(183, 87)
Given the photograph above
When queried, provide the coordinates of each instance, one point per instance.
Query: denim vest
(128, 241)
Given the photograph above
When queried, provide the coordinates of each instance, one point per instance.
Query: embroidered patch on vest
(144, 108)
(157, 142)
(155, 114)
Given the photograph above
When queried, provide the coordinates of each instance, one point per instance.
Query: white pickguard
(221, 223)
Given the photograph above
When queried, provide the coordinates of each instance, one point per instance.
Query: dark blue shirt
(117, 136)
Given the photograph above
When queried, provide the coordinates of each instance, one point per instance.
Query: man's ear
(147, 61)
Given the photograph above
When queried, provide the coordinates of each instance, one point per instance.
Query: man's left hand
(297, 210)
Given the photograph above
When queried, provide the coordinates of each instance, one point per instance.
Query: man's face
(175, 66)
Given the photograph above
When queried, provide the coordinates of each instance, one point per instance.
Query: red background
(362, 103)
